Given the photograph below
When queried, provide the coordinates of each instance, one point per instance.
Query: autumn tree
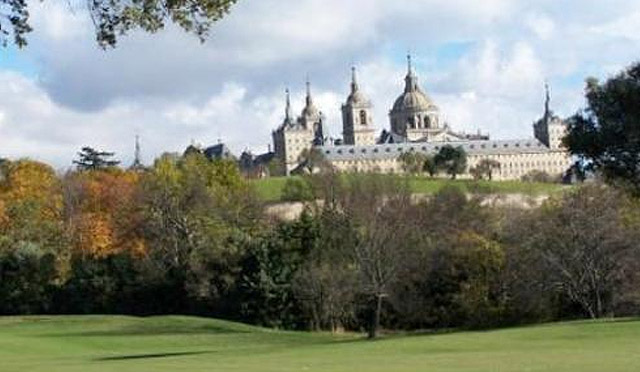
(114, 18)
(101, 212)
(30, 205)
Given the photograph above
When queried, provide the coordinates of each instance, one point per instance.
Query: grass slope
(124, 344)
(270, 189)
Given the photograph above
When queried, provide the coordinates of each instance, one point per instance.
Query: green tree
(114, 18)
(430, 166)
(90, 159)
(484, 168)
(585, 243)
(313, 160)
(412, 162)
(606, 135)
(453, 160)
(297, 189)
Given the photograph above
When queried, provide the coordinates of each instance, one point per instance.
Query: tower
(294, 136)
(137, 159)
(357, 120)
(414, 116)
(550, 129)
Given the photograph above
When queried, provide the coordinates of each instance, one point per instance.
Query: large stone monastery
(415, 125)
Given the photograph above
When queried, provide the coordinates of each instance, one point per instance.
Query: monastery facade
(415, 126)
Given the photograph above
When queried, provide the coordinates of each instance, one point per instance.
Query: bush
(297, 189)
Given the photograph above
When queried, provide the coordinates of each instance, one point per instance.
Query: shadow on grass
(150, 356)
(151, 331)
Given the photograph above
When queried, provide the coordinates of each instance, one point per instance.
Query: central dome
(413, 101)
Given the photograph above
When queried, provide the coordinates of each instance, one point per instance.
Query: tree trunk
(375, 319)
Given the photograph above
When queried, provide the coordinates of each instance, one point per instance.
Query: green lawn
(270, 189)
(125, 344)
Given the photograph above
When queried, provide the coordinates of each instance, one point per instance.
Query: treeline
(189, 236)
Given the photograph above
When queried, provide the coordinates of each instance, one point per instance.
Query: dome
(357, 98)
(413, 98)
(413, 101)
(310, 111)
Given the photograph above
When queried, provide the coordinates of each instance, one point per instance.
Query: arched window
(363, 117)
(427, 122)
(412, 122)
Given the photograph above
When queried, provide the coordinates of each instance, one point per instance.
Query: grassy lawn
(270, 189)
(125, 344)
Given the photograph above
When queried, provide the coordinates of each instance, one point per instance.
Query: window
(363, 117)
(388, 149)
(427, 122)
(339, 151)
(351, 151)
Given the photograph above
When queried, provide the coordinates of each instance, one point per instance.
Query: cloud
(173, 89)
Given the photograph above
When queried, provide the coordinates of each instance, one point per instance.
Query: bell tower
(357, 120)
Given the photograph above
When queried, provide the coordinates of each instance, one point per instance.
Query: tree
(114, 18)
(430, 166)
(586, 242)
(412, 162)
(297, 189)
(606, 134)
(313, 160)
(377, 206)
(30, 206)
(91, 160)
(485, 168)
(452, 159)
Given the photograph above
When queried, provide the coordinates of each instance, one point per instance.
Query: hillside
(122, 344)
(270, 189)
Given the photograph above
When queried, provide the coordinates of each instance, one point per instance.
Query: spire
(309, 99)
(354, 81)
(287, 112)
(411, 81)
(547, 101)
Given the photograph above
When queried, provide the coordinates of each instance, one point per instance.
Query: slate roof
(391, 151)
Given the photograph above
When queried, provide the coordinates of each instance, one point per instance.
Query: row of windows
(424, 148)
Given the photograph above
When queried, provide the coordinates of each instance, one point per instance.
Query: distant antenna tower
(137, 161)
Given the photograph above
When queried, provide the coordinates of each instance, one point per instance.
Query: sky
(484, 63)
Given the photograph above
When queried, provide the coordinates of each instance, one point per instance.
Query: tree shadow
(150, 356)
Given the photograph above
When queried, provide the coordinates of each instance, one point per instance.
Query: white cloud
(624, 27)
(172, 89)
(541, 25)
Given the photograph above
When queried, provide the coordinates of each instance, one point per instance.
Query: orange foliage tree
(101, 212)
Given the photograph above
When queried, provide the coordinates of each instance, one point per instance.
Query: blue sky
(483, 62)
